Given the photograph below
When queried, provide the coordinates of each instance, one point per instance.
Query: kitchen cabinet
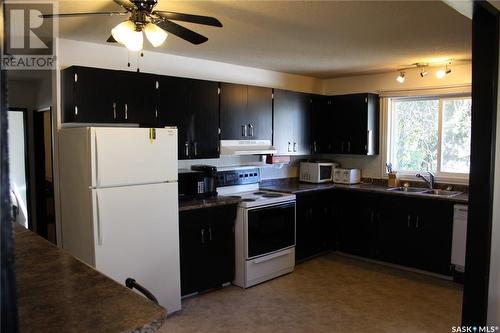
(355, 123)
(345, 124)
(314, 223)
(292, 122)
(193, 107)
(355, 214)
(321, 124)
(415, 232)
(245, 112)
(206, 248)
(94, 95)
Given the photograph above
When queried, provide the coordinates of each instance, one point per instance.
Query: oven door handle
(272, 256)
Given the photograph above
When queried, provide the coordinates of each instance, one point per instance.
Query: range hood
(246, 147)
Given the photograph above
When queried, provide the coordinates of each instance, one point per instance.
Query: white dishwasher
(459, 237)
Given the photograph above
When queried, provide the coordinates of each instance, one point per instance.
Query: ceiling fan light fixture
(155, 34)
(135, 41)
(123, 31)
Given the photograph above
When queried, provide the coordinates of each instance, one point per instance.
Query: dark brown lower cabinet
(315, 232)
(412, 232)
(206, 248)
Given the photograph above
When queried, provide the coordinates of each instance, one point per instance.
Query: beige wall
(115, 57)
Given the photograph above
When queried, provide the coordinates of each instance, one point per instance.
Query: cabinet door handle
(289, 146)
(202, 236)
(251, 129)
(315, 147)
(114, 110)
(186, 148)
(126, 111)
(195, 147)
(244, 130)
(210, 233)
(295, 146)
(76, 111)
(409, 218)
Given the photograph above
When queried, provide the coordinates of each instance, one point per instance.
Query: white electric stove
(264, 229)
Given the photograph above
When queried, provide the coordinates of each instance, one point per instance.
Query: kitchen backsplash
(267, 171)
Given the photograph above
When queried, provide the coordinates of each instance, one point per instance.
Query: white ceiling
(316, 38)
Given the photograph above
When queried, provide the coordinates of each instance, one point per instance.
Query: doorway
(18, 157)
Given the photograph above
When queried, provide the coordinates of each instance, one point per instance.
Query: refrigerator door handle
(98, 221)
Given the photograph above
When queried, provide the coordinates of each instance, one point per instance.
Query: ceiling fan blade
(198, 19)
(111, 39)
(125, 4)
(180, 31)
(63, 15)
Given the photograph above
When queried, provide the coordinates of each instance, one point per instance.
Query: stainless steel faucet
(429, 182)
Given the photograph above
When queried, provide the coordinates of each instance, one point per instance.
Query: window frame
(451, 177)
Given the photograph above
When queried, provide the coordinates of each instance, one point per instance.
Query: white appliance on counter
(119, 205)
(459, 239)
(264, 229)
(346, 176)
(317, 171)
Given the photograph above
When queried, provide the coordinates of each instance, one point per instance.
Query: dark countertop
(296, 187)
(58, 293)
(208, 202)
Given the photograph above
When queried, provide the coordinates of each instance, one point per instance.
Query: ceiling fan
(155, 24)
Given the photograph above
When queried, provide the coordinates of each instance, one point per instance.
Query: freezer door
(137, 235)
(127, 156)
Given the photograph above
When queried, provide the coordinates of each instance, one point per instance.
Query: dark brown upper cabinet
(292, 122)
(193, 107)
(246, 112)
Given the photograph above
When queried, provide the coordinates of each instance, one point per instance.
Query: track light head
(401, 77)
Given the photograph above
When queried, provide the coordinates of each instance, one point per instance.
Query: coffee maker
(199, 182)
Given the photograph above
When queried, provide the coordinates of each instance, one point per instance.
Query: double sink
(424, 191)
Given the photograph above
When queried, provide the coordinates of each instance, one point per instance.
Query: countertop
(296, 187)
(219, 200)
(58, 293)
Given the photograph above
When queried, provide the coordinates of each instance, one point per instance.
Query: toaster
(346, 176)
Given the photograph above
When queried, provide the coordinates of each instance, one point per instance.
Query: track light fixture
(401, 77)
(423, 67)
(443, 72)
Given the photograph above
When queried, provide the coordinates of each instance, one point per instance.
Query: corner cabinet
(246, 112)
(193, 107)
(206, 248)
(292, 122)
(94, 95)
(346, 124)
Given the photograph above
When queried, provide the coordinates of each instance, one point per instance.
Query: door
(233, 111)
(136, 234)
(192, 250)
(125, 156)
(270, 229)
(260, 113)
(96, 95)
(137, 98)
(219, 257)
(202, 112)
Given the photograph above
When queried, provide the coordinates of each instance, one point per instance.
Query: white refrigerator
(119, 205)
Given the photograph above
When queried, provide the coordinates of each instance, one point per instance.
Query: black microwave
(198, 183)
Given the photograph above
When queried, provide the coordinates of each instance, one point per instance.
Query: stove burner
(248, 200)
(259, 193)
(272, 195)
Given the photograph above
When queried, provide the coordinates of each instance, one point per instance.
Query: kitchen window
(430, 134)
